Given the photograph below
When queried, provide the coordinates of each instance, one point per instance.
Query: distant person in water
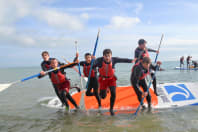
(182, 62)
(188, 61)
(60, 82)
(195, 64)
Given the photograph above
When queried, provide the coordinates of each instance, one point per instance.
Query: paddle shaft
(76, 45)
(36, 75)
(92, 61)
(151, 79)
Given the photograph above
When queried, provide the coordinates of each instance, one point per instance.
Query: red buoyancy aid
(58, 78)
(144, 74)
(86, 70)
(106, 70)
(47, 66)
(145, 54)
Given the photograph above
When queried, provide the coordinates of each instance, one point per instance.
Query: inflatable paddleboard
(178, 68)
(170, 95)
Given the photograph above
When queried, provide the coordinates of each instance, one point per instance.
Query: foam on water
(51, 102)
(4, 86)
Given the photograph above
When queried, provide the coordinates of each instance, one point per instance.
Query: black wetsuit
(45, 65)
(63, 95)
(153, 69)
(98, 63)
(93, 83)
(139, 55)
(188, 62)
(181, 62)
(139, 52)
(136, 82)
(195, 64)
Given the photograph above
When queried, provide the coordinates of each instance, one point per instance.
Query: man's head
(45, 55)
(88, 57)
(146, 62)
(142, 43)
(53, 63)
(107, 54)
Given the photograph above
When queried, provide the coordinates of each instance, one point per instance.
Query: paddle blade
(4, 86)
(85, 79)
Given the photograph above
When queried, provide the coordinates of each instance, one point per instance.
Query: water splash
(4, 86)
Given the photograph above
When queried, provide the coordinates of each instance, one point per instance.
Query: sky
(28, 27)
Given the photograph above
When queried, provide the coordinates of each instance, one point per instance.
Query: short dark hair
(141, 41)
(87, 54)
(44, 52)
(107, 51)
(53, 59)
(146, 60)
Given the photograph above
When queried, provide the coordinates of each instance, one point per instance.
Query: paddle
(82, 102)
(85, 78)
(92, 61)
(5, 86)
(151, 79)
(76, 46)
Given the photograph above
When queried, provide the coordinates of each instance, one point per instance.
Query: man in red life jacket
(61, 83)
(139, 71)
(93, 84)
(107, 78)
(142, 51)
(45, 66)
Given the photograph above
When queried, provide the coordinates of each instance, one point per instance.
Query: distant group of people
(106, 79)
(189, 62)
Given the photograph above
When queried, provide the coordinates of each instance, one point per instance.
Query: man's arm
(121, 60)
(151, 50)
(43, 69)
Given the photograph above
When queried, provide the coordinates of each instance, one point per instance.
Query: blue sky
(28, 27)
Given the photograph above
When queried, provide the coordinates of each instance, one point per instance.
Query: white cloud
(85, 16)
(12, 11)
(181, 42)
(139, 7)
(119, 22)
(60, 20)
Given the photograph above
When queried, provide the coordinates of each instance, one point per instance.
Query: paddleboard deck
(178, 68)
(170, 95)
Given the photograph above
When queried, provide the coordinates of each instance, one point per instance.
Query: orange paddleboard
(125, 98)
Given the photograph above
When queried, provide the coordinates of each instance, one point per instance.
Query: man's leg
(154, 84)
(63, 97)
(145, 87)
(90, 86)
(57, 93)
(69, 97)
(95, 86)
(112, 98)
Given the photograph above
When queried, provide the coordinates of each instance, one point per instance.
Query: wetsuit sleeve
(135, 78)
(82, 63)
(136, 54)
(44, 69)
(97, 62)
(153, 67)
(69, 66)
(121, 60)
(151, 50)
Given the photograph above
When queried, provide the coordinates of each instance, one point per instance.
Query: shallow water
(21, 111)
